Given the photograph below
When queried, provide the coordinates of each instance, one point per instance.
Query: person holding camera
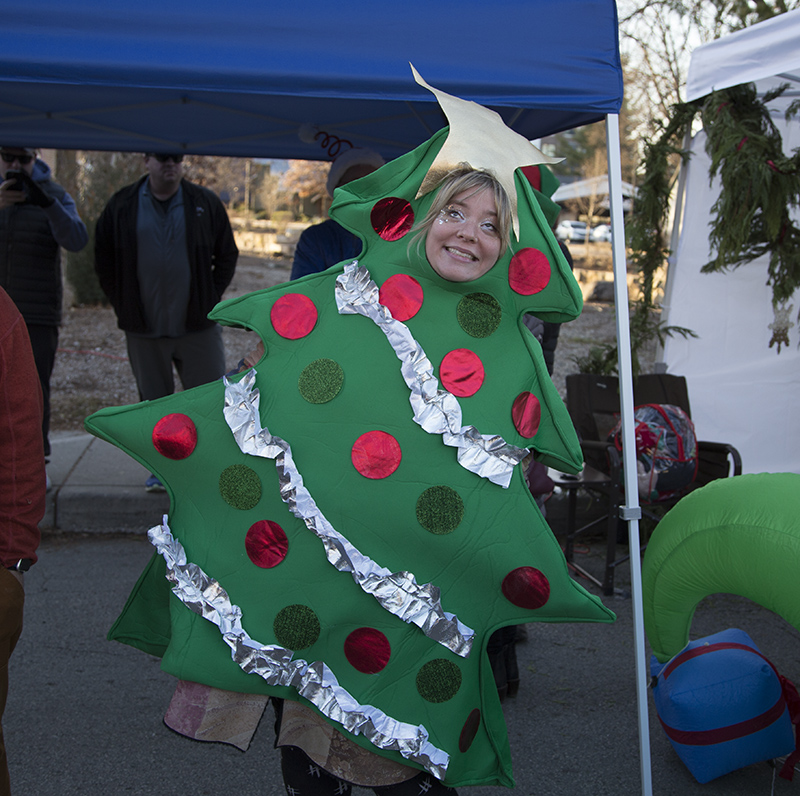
(37, 216)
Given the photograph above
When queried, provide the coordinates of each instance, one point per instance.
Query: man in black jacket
(164, 254)
(37, 216)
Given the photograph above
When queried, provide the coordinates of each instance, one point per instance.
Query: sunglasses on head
(164, 158)
(23, 160)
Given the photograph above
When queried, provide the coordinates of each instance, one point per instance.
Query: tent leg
(631, 510)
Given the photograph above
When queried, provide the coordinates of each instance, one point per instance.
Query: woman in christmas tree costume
(349, 521)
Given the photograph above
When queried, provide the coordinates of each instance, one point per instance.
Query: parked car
(601, 233)
(571, 230)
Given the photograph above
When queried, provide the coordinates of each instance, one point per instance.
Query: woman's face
(464, 243)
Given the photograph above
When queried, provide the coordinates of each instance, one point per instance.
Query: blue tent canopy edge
(241, 78)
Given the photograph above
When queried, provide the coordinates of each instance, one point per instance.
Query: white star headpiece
(480, 138)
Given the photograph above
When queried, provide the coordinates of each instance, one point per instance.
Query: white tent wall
(741, 391)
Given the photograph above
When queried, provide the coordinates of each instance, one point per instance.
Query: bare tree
(226, 177)
(657, 40)
(265, 189)
(306, 179)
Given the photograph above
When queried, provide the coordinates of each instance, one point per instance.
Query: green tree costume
(348, 522)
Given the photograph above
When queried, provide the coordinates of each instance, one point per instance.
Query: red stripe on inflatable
(706, 648)
(729, 733)
(732, 731)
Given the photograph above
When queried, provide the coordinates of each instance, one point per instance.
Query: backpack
(666, 450)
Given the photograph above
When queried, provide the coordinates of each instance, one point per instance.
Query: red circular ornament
(526, 412)
(392, 218)
(175, 436)
(526, 587)
(402, 295)
(266, 544)
(461, 372)
(293, 316)
(376, 454)
(529, 272)
(469, 730)
(368, 650)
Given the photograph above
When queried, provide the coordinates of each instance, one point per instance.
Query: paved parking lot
(84, 714)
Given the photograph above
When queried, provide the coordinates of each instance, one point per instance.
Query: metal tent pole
(631, 510)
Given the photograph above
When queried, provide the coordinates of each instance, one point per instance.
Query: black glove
(36, 196)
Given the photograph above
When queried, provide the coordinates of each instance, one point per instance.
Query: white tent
(741, 391)
(593, 186)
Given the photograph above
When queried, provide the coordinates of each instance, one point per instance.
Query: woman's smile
(464, 243)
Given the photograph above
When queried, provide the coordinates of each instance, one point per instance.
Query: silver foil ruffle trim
(275, 664)
(397, 592)
(436, 411)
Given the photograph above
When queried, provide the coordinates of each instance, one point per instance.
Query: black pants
(303, 777)
(44, 342)
(199, 358)
(502, 653)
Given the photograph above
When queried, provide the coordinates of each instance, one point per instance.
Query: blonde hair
(465, 179)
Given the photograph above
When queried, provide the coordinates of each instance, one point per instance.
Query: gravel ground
(92, 370)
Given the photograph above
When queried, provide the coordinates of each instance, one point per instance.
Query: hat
(348, 159)
(29, 150)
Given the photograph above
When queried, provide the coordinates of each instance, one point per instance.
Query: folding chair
(594, 406)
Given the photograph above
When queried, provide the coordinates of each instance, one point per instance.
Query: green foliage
(648, 248)
(645, 327)
(600, 359)
(99, 175)
(760, 187)
(645, 230)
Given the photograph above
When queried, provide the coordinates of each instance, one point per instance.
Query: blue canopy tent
(241, 78)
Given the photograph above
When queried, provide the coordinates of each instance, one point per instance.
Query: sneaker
(152, 484)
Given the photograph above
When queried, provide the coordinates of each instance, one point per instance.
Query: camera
(18, 185)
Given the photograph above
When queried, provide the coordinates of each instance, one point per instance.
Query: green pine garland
(759, 188)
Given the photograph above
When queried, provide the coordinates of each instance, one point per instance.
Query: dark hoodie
(30, 258)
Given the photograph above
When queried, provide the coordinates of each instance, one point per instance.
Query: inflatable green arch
(736, 535)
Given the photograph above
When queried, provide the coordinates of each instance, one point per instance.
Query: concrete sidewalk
(97, 488)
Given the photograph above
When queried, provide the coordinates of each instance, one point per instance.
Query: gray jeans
(198, 357)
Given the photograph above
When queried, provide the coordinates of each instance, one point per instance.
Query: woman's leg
(423, 784)
(503, 658)
(303, 777)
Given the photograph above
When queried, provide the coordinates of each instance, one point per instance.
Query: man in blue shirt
(328, 243)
